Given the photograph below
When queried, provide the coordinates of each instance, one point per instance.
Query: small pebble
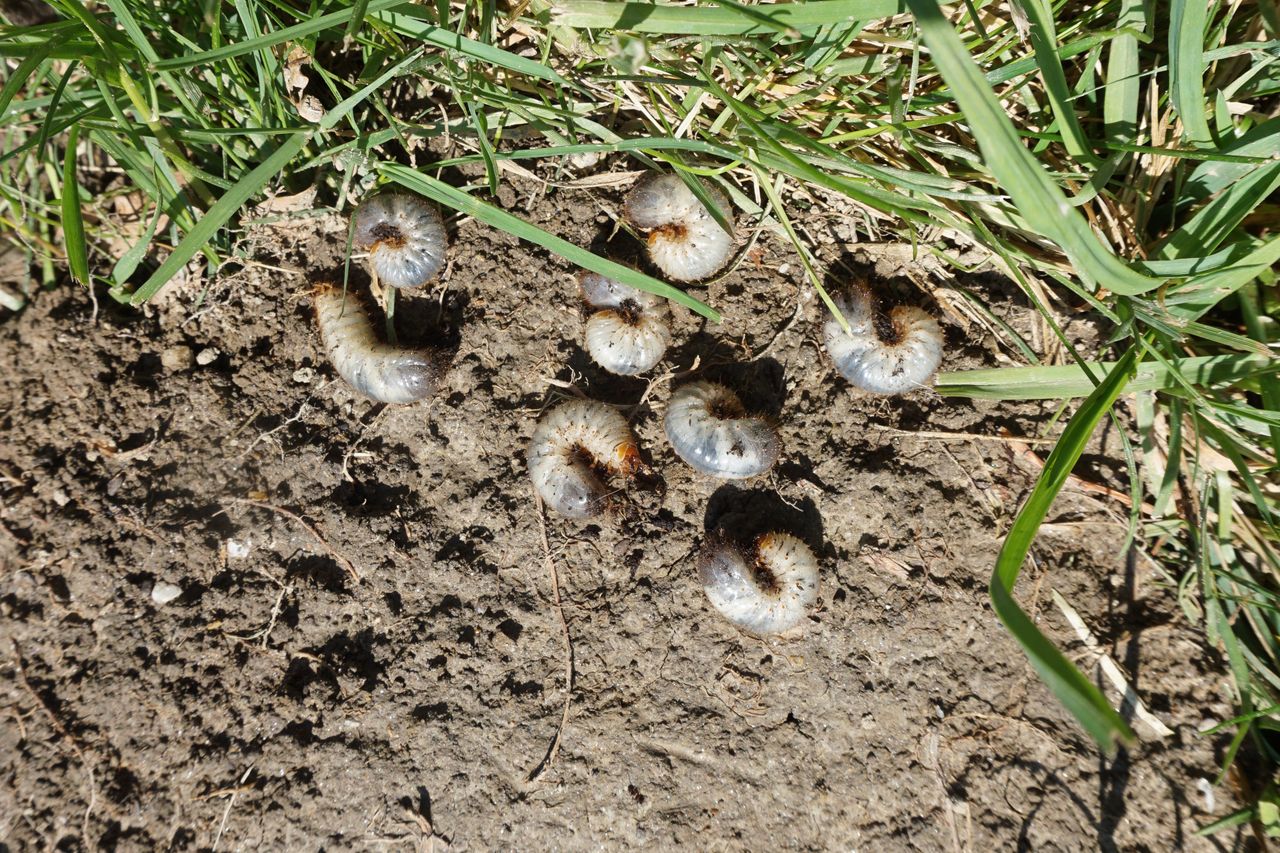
(206, 356)
(304, 375)
(177, 358)
(1205, 787)
(585, 160)
(163, 593)
(504, 644)
(237, 550)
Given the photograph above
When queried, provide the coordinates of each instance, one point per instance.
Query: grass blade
(132, 257)
(1213, 176)
(1040, 201)
(1196, 297)
(1079, 695)
(1186, 66)
(20, 77)
(358, 10)
(1044, 40)
(659, 18)
(221, 211)
(1062, 382)
(46, 126)
(297, 32)
(410, 22)
(1269, 385)
(1214, 222)
(1120, 104)
(72, 218)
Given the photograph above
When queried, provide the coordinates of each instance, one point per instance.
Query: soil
(204, 449)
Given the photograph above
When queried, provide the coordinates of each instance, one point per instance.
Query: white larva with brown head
(763, 589)
(709, 428)
(574, 448)
(684, 241)
(376, 369)
(889, 352)
(629, 329)
(404, 236)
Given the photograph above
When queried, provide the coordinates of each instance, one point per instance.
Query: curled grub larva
(708, 428)
(376, 369)
(883, 352)
(404, 236)
(574, 448)
(630, 329)
(685, 242)
(763, 589)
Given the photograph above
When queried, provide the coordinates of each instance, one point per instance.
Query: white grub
(374, 368)
(685, 242)
(404, 236)
(629, 329)
(573, 447)
(883, 352)
(708, 428)
(763, 589)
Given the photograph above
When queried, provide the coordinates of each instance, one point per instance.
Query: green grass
(1126, 164)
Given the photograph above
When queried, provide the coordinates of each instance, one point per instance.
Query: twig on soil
(21, 669)
(14, 478)
(777, 336)
(427, 832)
(13, 536)
(124, 518)
(1006, 438)
(293, 419)
(950, 807)
(989, 497)
(93, 298)
(664, 378)
(1131, 704)
(554, 748)
(264, 633)
(343, 561)
(566, 385)
(1079, 482)
(257, 410)
(227, 811)
(351, 451)
(250, 262)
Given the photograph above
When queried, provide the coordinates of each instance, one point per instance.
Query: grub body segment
(575, 448)
(709, 429)
(763, 589)
(628, 330)
(371, 366)
(684, 241)
(404, 236)
(884, 352)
